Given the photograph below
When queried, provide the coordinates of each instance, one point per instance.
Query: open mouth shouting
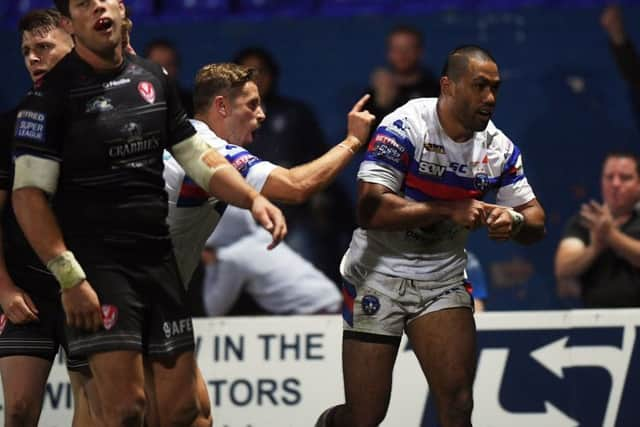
(485, 112)
(38, 73)
(103, 25)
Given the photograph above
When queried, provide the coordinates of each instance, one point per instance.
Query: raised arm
(624, 51)
(214, 173)
(297, 184)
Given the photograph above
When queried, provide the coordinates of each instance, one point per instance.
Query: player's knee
(459, 404)
(371, 417)
(205, 418)
(374, 420)
(126, 411)
(184, 413)
(21, 412)
(203, 421)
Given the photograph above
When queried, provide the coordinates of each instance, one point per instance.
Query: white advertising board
(284, 371)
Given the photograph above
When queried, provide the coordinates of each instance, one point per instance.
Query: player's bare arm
(297, 184)
(16, 303)
(524, 223)
(381, 208)
(214, 173)
(33, 177)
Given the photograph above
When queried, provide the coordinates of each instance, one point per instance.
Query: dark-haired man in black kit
(31, 320)
(90, 137)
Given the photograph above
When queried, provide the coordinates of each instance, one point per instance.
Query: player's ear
(219, 104)
(122, 9)
(65, 23)
(446, 86)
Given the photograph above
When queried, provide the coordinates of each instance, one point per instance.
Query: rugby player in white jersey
(227, 114)
(428, 165)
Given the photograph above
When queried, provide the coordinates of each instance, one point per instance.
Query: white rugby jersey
(193, 214)
(410, 154)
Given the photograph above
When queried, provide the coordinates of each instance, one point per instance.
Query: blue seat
(140, 8)
(195, 8)
(350, 7)
(428, 6)
(12, 11)
(274, 7)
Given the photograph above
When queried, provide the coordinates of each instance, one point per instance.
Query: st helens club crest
(147, 92)
(3, 322)
(109, 316)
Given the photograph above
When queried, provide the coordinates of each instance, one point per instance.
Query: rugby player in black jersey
(90, 139)
(32, 320)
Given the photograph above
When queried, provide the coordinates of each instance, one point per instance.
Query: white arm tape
(517, 221)
(194, 155)
(32, 171)
(67, 270)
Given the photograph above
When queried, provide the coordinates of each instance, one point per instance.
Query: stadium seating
(266, 8)
(12, 10)
(195, 8)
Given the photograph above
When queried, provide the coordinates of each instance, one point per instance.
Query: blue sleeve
(391, 148)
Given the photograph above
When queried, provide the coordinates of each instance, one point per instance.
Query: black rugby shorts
(41, 338)
(144, 305)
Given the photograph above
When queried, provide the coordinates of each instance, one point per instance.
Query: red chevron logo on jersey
(147, 92)
(109, 316)
(3, 322)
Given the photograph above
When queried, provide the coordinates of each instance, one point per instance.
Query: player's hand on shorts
(499, 222)
(82, 307)
(359, 121)
(469, 213)
(271, 218)
(17, 305)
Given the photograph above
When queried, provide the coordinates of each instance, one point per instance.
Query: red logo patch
(3, 322)
(147, 92)
(109, 316)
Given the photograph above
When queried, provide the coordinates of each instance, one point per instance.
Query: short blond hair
(219, 79)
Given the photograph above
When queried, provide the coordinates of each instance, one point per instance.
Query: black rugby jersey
(19, 255)
(108, 131)
(7, 119)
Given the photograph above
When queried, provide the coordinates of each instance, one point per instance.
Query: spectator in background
(599, 254)
(280, 281)
(405, 77)
(624, 51)
(164, 53)
(475, 276)
(290, 135)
